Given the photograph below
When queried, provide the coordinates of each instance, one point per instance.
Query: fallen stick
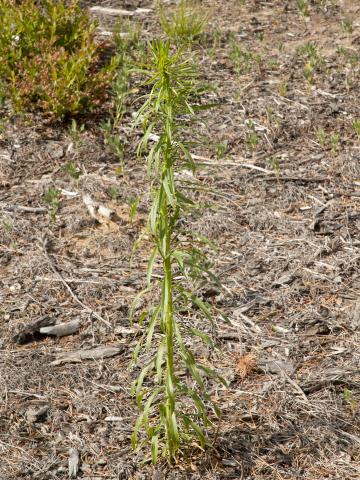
(74, 280)
(120, 12)
(22, 208)
(78, 356)
(68, 288)
(62, 329)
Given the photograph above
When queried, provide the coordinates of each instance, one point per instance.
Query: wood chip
(113, 419)
(125, 331)
(74, 461)
(78, 356)
(119, 12)
(286, 279)
(62, 329)
(97, 211)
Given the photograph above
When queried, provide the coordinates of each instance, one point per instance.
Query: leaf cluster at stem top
(173, 83)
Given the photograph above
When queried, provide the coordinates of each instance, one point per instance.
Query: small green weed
(356, 125)
(113, 140)
(244, 61)
(52, 198)
(273, 64)
(342, 51)
(334, 142)
(314, 61)
(303, 7)
(309, 73)
(130, 51)
(221, 149)
(8, 227)
(75, 132)
(348, 397)
(119, 170)
(113, 192)
(185, 24)
(269, 114)
(321, 137)
(252, 138)
(347, 26)
(274, 164)
(133, 209)
(311, 52)
(283, 89)
(49, 59)
(71, 169)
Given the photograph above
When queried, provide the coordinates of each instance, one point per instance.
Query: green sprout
(356, 125)
(321, 137)
(334, 142)
(303, 7)
(75, 132)
(133, 209)
(71, 169)
(275, 165)
(221, 149)
(347, 26)
(282, 89)
(348, 397)
(52, 198)
(185, 24)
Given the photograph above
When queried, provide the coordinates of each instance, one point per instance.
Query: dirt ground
(284, 159)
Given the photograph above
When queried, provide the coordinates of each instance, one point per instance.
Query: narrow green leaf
(151, 265)
(159, 359)
(139, 382)
(153, 217)
(205, 338)
(148, 405)
(213, 374)
(151, 327)
(154, 448)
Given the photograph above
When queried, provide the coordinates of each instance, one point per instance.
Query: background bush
(49, 59)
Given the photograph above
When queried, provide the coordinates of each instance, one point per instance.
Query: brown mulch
(289, 258)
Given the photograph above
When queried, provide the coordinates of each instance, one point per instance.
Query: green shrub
(49, 59)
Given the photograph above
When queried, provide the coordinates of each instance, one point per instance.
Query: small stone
(55, 150)
(284, 280)
(34, 415)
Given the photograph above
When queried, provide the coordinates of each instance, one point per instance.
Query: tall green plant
(171, 387)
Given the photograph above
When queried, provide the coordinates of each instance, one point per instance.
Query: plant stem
(168, 308)
(169, 342)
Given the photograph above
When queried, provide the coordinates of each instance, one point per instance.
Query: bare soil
(286, 219)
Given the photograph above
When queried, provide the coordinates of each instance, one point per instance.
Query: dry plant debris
(284, 194)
